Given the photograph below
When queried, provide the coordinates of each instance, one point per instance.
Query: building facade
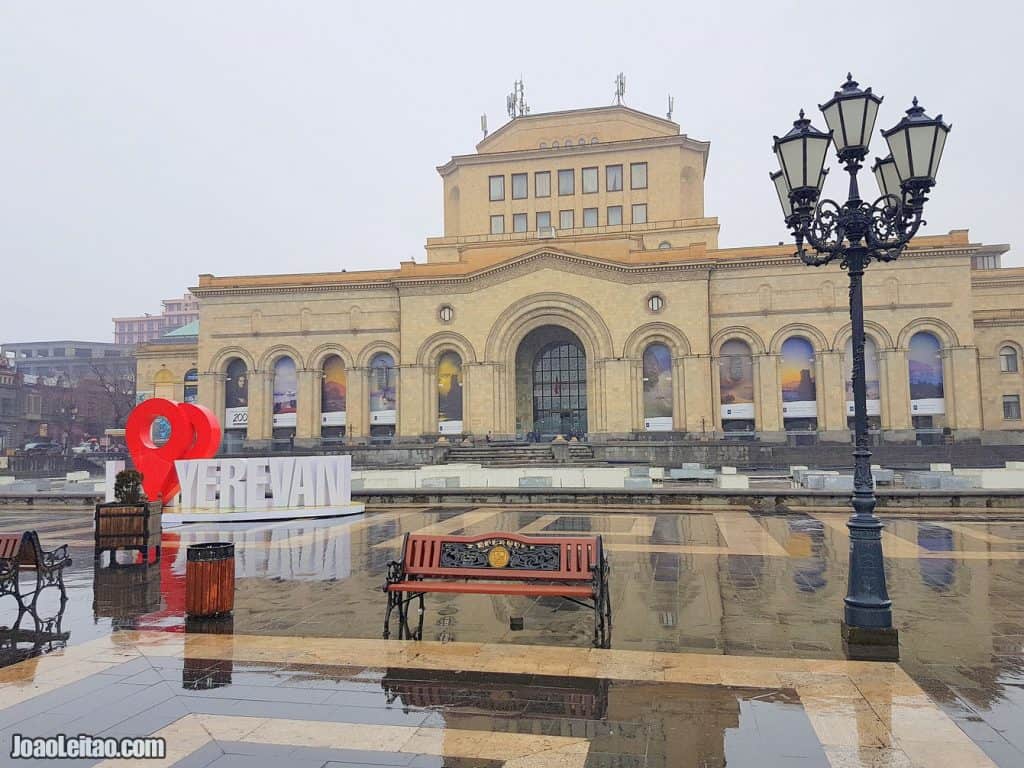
(174, 314)
(70, 360)
(578, 289)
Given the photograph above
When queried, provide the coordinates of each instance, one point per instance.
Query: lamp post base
(871, 644)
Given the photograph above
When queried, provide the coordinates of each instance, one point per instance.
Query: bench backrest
(502, 556)
(23, 546)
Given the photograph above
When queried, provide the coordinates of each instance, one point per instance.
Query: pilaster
(694, 393)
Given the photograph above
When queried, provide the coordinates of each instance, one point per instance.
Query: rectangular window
(567, 182)
(542, 184)
(520, 186)
(638, 175)
(519, 222)
(565, 220)
(497, 225)
(640, 213)
(614, 215)
(497, 184)
(589, 181)
(590, 217)
(1011, 407)
(543, 219)
(1008, 360)
(613, 178)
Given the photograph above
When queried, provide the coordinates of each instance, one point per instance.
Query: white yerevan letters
(303, 481)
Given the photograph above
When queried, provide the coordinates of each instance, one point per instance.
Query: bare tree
(119, 385)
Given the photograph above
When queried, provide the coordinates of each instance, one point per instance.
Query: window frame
(500, 218)
(607, 183)
(536, 177)
(632, 213)
(1014, 401)
(1004, 366)
(525, 218)
(608, 216)
(526, 186)
(490, 188)
(572, 176)
(536, 219)
(596, 217)
(572, 218)
(633, 185)
(583, 180)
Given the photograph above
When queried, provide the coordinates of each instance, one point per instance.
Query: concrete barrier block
(837, 482)
(76, 477)
(1015, 465)
(692, 474)
(883, 476)
(657, 473)
(691, 465)
(794, 468)
(728, 470)
(534, 481)
(638, 482)
(639, 472)
(733, 482)
(940, 467)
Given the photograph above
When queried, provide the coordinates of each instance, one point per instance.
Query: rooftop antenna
(671, 105)
(515, 102)
(483, 124)
(620, 87)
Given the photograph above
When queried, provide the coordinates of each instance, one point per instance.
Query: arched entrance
(551, 383)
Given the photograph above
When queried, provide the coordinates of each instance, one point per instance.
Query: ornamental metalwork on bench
(501, 553)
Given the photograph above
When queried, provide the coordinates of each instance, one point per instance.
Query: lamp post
(857, 233)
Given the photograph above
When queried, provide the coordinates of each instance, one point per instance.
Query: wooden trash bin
(210, 579)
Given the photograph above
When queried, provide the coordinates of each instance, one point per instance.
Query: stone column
(832, 397)
(896, 392)
(960, 379)
(480, 411)
(307, 417)
(695, 393)
(605, 400)
(410, 417)
(768, 405)
(357, 405)
(260, 411)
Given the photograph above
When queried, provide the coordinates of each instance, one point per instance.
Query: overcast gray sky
(143, 143)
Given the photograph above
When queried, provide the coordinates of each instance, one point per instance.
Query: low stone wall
(797, 500)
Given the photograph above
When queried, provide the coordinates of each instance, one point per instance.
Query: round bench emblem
(498, 557)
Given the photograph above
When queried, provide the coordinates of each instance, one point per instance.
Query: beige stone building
(579, 289)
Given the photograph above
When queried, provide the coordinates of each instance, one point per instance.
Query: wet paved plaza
(725, 648)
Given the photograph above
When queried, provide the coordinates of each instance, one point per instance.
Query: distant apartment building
(175, 314)
(70, 360)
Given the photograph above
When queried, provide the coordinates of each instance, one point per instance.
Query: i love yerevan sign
(264, 483)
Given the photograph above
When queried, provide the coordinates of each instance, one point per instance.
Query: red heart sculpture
(195, 434)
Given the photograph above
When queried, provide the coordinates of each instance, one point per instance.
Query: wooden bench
(22, 552)
(571, 567)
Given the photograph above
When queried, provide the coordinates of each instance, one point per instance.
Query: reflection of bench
(570, 567)
(22, 552)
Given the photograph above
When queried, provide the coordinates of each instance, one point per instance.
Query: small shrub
(128, 487)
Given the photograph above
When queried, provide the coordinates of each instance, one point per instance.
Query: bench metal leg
(387, 615)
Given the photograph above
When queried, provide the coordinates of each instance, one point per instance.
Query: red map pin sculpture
(195, 434)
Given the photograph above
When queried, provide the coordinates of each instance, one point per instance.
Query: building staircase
(519, 454)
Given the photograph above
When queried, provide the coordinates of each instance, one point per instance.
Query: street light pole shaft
(867, 600)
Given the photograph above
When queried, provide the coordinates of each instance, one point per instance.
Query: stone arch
(549, 308)
(652, 333)
(370, 350)
(272, 355)
(219, 362)
(757, 346)
(164, 376)
(317, 356)
(813, 335)
(942, 330)
(440, 342)
(875, 331)
(1014, 345)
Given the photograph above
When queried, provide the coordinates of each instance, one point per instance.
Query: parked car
(85, 448)
(42, 449)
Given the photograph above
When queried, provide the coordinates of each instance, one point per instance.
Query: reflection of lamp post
(857, 233)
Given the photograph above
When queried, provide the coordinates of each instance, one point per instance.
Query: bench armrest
(394, 574)
(56, 557)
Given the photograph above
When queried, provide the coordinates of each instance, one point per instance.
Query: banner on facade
(871, 377)
(657, 380)
(658, 424)
(333, 393)
(383, 393)
(236, 396)
(736, 380)
(799, 393)
(286, 387)
(449, 394)
(927, 395)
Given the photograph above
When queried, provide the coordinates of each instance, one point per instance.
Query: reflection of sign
(305, 481)
(738, 411)
(194, 433)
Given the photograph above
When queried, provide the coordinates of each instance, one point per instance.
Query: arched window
(736, 386)
(1008, 360)
(286, 388)
(657, 381)
(799, 391)
(236, 395)
(383, 395)
(871, 382)
(449, 394)
(333, 392)
(191, 391)
(924, 367)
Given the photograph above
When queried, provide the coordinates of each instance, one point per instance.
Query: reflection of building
(573, 242)
(175, 314)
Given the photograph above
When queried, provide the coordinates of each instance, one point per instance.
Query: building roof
(189, 329)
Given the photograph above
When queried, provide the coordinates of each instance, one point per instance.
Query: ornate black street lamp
(857, 233)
